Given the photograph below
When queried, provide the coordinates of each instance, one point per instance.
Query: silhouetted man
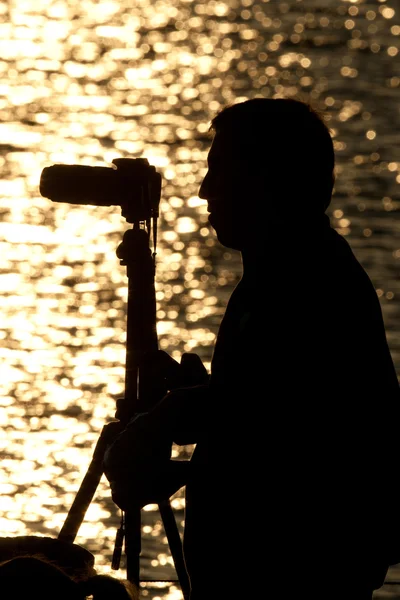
(296, 430)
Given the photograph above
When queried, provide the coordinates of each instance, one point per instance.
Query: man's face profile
(226, 187)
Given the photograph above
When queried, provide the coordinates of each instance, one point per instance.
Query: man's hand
(162, 367)
(138, 462)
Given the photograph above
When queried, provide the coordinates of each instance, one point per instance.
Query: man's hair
(287, 139)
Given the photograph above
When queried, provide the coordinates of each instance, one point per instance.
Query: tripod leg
(175, 544)
(133, 545)
(86, 491)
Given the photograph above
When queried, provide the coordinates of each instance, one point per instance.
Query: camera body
(133, 184)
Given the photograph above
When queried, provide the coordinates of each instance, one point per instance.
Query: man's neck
(281, 240)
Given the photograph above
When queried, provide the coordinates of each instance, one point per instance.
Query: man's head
(271, 160)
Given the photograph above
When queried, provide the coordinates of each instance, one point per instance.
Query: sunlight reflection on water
(86, 82)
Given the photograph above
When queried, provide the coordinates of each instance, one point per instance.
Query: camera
(132, 183)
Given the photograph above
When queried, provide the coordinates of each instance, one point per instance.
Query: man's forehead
(223, 148)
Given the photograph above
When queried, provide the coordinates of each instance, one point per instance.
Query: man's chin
(226, 236)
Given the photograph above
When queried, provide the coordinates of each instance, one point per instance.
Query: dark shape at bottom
(75, 560)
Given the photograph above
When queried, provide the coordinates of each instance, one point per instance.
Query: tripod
(135, 186)
(142, 391)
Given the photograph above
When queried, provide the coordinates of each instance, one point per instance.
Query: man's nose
(203, 191)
